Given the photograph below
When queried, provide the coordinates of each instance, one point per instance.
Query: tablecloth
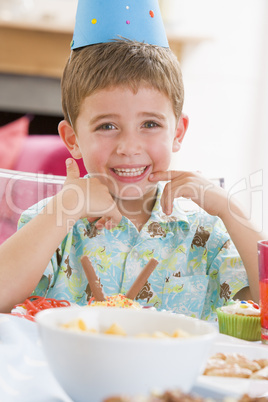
(24, 372)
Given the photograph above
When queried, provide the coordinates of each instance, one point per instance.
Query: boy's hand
(88, 198)
(192, 185)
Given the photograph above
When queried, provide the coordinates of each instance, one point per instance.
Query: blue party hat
(100, 21)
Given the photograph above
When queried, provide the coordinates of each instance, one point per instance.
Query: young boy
(122, 103)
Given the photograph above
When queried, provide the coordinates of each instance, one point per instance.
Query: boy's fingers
(100, 223)
(72, 169)
(167, 199)
(92, 219)
(116, 217)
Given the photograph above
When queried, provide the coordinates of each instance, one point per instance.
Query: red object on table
(34, 304)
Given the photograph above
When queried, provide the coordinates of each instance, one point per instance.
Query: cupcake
(240, 319)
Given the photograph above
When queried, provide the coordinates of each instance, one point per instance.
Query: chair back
(19, 191)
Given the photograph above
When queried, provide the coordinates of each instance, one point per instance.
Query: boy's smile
(129, 174)
(124, 136)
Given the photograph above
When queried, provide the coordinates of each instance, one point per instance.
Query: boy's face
(124, 136)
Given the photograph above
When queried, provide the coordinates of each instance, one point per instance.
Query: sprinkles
(118, 300)
(244, 308)
(244, 304)
(94, 21)
(248, 303)
(151, 13)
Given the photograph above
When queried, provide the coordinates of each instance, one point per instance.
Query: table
(24, 372)
(26, 377)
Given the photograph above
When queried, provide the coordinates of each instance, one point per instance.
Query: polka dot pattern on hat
(104, 21)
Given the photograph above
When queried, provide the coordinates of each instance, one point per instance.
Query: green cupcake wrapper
(239, 326)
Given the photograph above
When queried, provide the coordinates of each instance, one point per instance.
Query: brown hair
(120, 63)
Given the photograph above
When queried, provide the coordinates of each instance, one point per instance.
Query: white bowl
(92, 367)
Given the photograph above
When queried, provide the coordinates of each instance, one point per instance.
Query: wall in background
(224, 81)
(260, 138)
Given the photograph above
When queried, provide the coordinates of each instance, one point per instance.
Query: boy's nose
(129, 144)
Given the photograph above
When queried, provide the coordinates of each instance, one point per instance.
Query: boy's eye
(106, 126)
(150, 124)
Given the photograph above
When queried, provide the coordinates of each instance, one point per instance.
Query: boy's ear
(69, 138)
(180, 132)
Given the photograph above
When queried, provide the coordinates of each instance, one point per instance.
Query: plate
(218, 387)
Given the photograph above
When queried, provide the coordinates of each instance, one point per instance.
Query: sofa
(45, 154)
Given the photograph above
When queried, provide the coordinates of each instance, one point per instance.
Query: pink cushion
(17, 194)
(12, 137)
(45, 154)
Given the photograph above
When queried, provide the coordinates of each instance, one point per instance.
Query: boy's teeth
(130, 172)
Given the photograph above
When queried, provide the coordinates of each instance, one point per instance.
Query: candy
(92, 278)
(34, 304)
(96, 286)
(141, 279)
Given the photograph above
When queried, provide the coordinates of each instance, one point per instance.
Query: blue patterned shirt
(199, 267)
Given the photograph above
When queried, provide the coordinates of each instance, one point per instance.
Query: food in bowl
(94, 366)
(79, 325)
(118, 300)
